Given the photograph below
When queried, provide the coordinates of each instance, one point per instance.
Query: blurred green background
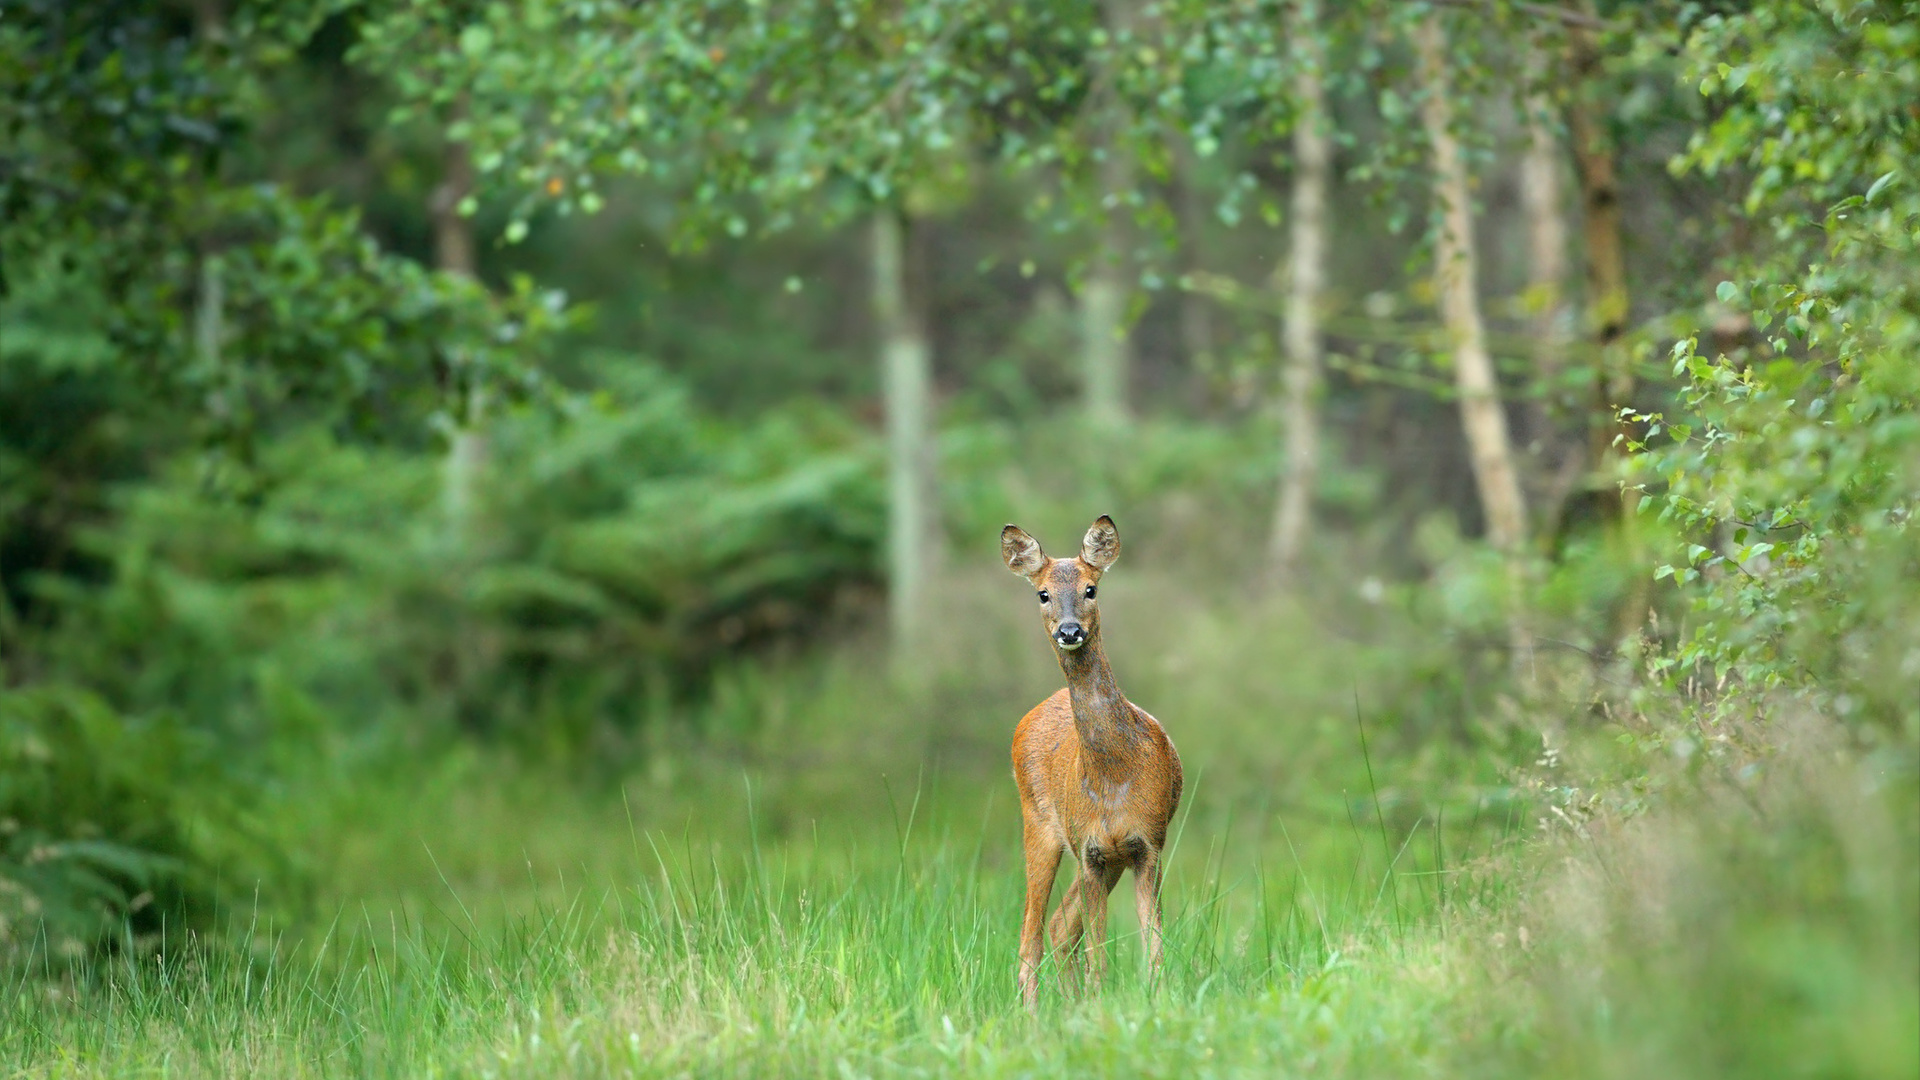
(499, 510)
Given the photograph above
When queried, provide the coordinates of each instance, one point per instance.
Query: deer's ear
(1022, 552)
(1102, 544)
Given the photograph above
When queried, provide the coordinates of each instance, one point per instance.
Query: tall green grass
(815, 958)
(819, 876)
(1756, 925)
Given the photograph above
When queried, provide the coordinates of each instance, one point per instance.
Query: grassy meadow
(835, 890)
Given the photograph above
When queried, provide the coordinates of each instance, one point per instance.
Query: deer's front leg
(1043, 859)
(1146, 901)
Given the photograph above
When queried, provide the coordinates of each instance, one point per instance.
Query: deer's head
(1067, 588)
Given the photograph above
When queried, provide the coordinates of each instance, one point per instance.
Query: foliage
(773, 114)
(153, 297)
(624, 547)
(96, 824)
(771, 102)
(243, 302)
(1756, 921)
(1792, 463)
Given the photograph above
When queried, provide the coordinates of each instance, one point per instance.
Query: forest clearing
(505, 538)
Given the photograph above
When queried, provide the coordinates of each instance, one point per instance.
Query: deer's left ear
(1101, 546)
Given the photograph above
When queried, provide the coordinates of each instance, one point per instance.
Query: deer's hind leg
(1096, 883)
(1064, 931)
(1146, 899)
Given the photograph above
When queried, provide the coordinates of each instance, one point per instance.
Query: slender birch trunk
(1556, 461)
(1106, 351)
(1106, 357)
(1306, 260)
(1196, 309)
(1455, 271)
(913, 534)
(9, 633)
(209, 318)
(453, 249)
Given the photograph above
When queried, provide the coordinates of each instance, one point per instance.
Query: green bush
(96, 825)
(612, 558)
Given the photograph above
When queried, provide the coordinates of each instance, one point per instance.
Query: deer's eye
(1044, 597)
(1089, 592)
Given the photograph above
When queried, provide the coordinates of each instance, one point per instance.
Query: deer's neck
(1107, 725)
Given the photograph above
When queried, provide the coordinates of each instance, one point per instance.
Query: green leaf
(1726, 291)
(476, 41)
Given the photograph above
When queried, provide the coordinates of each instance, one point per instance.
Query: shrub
(95, 824)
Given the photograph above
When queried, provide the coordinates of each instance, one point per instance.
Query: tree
(1606, 267)
(1455, 269)
(160, 298)
(1197, 331)
(1788, 466)
(1106, 357)
(754, 115)
(1557, 463)
(1608, 310)
(1306, 280)
(453, 246)
(759, 116)
(913, 519)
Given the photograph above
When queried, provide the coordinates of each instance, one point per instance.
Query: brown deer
(1098, 778)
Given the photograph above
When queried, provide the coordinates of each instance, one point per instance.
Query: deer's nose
(1070, 635)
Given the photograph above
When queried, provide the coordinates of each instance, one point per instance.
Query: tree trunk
(1455, 273)
(1106, 352)
(1556, 460)
(1196, 308)
(209, 330)
(1608, 302)
(453, 250)
(9, 635)
(1607, 309)
(1455, 269)
(913, 532)
(1106, 358)
(1306, 259)
(453, 247)
(1607, 299)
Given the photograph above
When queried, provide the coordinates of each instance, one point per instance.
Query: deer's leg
(1063, 932)
(1146, 901)
(1043, 859)
(1096, 884)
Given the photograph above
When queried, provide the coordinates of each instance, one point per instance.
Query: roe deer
(1098, 778)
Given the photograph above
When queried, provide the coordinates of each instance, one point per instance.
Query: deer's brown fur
(1098, 777)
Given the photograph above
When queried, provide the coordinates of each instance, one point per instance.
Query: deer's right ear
(1022, 552)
